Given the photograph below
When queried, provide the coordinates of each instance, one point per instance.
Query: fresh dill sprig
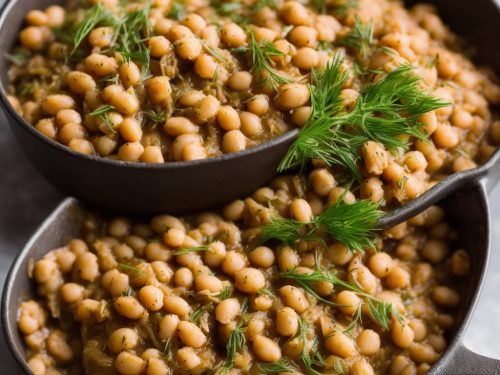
(196, 315)
(287, 231)
(167, 352)
(19, 57)
(319, 6)
(25, 89)
(215, 52)
(267, 292)
(131, 269)
(381, 311)
(326, 88)
(352, 224)
(225, 293)
(193, 249)
(281, 366)
(234, 345)
(310, 355)
(341, 7)
(359, 38)
(383, 112)
(262, 63)
(129, 40)
(96, 15)
(178, 10)
(127, 293)
(102, 113)
(157, 117)
(316, 138)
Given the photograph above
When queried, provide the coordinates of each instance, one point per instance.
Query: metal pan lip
(8, 305)
(458, 337)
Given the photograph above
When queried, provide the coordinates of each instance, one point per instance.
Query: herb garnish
(281, 366)
(262, 63)
(131, 269)
(384, 111)
(359, 38)
(381, 311)
(351, 224)
(102, 113)
(310, 355)
(18, 58)
(341, 7)
(157, 117)
(225, 293)
(95, 16)
(187, 250)
(234, 345)
(196, 315)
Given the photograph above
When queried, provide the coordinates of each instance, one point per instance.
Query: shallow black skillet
(467, 209)
(184, 187)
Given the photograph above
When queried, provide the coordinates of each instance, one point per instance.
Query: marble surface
(26, 198)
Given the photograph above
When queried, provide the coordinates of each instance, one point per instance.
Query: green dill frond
(318, 139)
(97, 15)
(101, 110)
(326, 88)
(187, 250)
(178, 10)
(167, 353)
(19, 57)
(359, 38)
(156, 117)
(143, 57)
(215, 52)
(310, 356)
(267, 292)
(384, 112)
(381, 311)
(129, 40)
(341, 7)
(102, 113)
(226, 292)
(131, 270)
(283, 230)
(391, 107)
(281, 366)
(196, 315)
(262, 64)
(319, 6)
(127, 293)
(24, 90)
(354, 224)
(234, 345)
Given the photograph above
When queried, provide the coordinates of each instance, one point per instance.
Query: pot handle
(465, 362)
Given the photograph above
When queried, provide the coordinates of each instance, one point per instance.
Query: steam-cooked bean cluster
(205, 295)
(203, 83)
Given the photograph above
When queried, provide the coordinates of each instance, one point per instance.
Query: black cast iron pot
(471, 217)
(176, 187)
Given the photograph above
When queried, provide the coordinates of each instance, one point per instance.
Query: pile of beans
(212, 100)
(165, 296)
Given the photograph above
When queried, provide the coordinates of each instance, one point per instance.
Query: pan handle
(465, 362)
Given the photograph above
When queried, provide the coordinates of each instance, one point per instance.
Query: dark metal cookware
(179, 187)
(184, 187)
(467, 209)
